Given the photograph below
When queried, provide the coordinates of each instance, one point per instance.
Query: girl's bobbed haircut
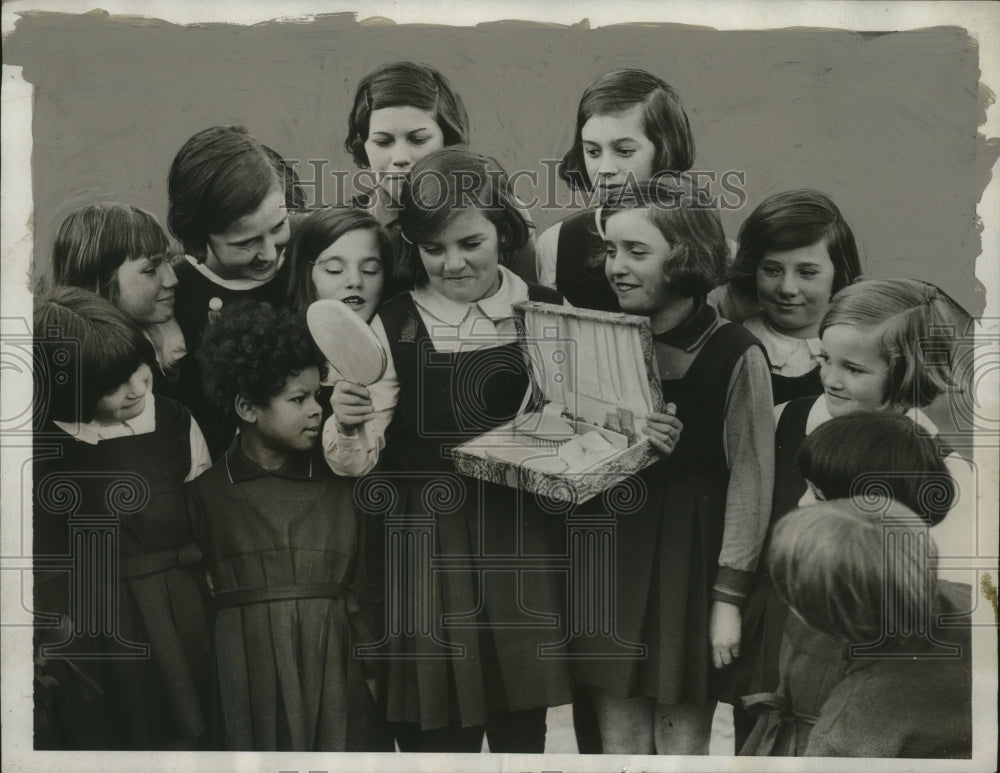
(916, 327)
(94, 241)
(444, 184)
(788, 221)
(405, 84)
(252, 349)
(220, 175)
(832, 564)
(692, 227)
(84, 347)
(319, 230)
(663, 121)
(872, 454)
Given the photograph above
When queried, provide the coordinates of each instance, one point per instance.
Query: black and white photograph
(447, 386)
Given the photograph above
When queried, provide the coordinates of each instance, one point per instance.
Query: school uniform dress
(154, 702)
(697, 537)
(281, 547)
(794, 369)
(905, 707)
(461, 372)
(199, 296)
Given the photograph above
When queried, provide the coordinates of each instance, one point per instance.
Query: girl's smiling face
(854, 373)
(398, 137)
(146, 289)
(635, 261)
(350, 270)
(794, 288)
(462, 262)
(251, 246)
(616, 150)
(128, 400)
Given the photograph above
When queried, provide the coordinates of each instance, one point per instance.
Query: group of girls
(259, 559)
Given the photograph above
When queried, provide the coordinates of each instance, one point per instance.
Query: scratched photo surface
(898, 125)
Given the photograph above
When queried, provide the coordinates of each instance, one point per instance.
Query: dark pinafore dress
(281, 546)
(668, 551)
(472, 644)
(786, 388)
(159, 701)
(765, 614)
(579, 278)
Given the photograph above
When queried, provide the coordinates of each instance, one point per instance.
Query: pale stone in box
(595, 374)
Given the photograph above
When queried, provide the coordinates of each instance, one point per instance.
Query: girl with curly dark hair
(279, 532)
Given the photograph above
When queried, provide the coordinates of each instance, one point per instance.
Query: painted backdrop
(887, 124)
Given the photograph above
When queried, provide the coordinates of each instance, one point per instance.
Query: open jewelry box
(593, 380)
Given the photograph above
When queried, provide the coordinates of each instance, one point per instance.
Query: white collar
(238, 285)
(93, 432)
(512, 290)
(782, 348)
(820, 414)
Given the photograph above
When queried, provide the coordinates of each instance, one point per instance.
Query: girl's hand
(352, 405)
(724, 630)
(663, 429)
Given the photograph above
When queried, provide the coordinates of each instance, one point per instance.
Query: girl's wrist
(343, 430)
